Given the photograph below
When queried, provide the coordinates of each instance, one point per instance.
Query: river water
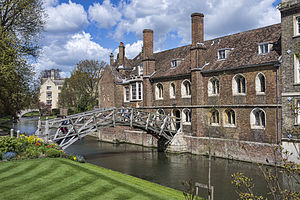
(165, 169)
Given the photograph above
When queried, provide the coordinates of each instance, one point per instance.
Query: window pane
(133, 90)
(140, 90)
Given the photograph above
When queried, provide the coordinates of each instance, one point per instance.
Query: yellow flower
(74, 158)
(22, 135)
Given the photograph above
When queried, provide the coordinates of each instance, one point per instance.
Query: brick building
(227, 88)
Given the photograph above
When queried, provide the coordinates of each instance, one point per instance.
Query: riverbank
(65, 179)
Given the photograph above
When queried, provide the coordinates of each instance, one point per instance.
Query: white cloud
(131, 50)
(105, 15)
(48, 3)
(222, 17)
(65, 55)
(66, 17)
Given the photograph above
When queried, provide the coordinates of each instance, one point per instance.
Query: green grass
(5, 119)
(43, 118)
(65, 179)
(32, 114)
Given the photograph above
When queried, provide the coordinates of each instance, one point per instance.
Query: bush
(8, 144)
(53, 153)
(32, 152)
(55, 111)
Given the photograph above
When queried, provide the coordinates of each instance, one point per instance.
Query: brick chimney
(197, 28)
(111, 59)
(121, 54)
(147, 43)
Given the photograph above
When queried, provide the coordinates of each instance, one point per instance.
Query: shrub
(53, 153)
(32, 152)
(8, 144)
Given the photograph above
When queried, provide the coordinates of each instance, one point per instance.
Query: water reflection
(166, 169)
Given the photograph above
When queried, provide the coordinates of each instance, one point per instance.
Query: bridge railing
(67, 130)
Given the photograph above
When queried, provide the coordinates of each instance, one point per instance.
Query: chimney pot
(197, 28)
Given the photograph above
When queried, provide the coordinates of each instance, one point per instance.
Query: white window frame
(172, 90)
(256, 119)
(296, 70)
(213, 89)
(258, 84)
(235, 87)
(140, 70)
(297, 112)
(262, 48)
(222, 54)
(139, 90)
(125, 95)
(132, 98)
(186, 119)
(47, 102)
(157, 91)
(48, 87)
(184, 89)
(296, 25)
(47, 94)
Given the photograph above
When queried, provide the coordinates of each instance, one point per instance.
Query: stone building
(50, 87)
(290, 36)
(226, 88)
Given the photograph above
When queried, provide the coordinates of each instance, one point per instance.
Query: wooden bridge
(66, 131)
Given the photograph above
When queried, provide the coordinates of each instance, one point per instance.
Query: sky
(92, 29)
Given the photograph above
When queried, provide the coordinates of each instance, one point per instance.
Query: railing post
(147, 121)
(47, 129)
(39, 126)
(131, 117)
(11, 133)
(18, 133)
(114, 118)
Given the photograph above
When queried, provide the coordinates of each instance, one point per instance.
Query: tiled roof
(244, 52)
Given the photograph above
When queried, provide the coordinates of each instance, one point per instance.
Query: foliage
(79, 92)
(189, 191)
(53, 153)
(20, 23)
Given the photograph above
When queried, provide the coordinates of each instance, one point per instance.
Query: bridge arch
(23, 112)
(65, 131)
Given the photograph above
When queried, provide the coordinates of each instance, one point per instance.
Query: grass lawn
(58, 178)
(32, 114)
(43, 118)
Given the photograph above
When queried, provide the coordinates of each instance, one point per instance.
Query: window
(133, 91)
(213, 87)
(221, 54)
(159, 91)
(139, 85)
(297, 112)
(263, 48)
(186, 89)
(49, 94)
(296, 69)
(229, 118)
(187, 116)
(172, 91)
(175, 62)
(59, 87)
(49, 102)
(214, 118)
(239, 85)
(260, 84)
(140, 70)
(48, 87)
(126, 93)
(297, 25)
(257, 118)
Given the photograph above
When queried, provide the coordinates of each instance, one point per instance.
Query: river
(162, 168)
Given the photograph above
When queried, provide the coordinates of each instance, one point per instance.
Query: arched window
(260, 83)
(172, 91)
(186, 88)
(187, 116)
(159, 91)
(213, 86)
(214, 117)
(238, 85)
(258, 118)
(229, 117)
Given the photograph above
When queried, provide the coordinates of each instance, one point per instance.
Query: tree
(20, 23)
(80, 90)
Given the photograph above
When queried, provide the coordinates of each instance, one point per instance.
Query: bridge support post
(47, 129)
(11, 133)
(18, 133)
(39, 126)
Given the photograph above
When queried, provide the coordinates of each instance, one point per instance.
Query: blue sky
(92, 29)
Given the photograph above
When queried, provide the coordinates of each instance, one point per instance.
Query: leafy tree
(20, 23)
(80, 90)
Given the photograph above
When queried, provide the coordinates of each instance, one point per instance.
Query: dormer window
(264, 48)
(297, 26)
(224, 53)
(221, 54)
(175, 62)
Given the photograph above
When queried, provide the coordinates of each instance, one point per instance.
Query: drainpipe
(277, 101)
